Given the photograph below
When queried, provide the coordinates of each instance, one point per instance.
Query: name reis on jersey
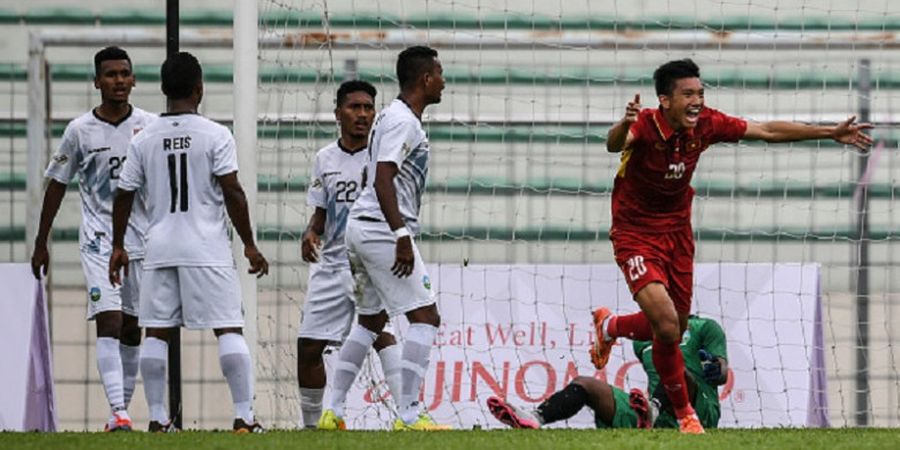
(176, 160)
(177, 143)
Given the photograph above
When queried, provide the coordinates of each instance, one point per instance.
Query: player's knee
(426, 314)
(384, 340)
(109, 324)
(374, 323)
(309, 352)
(130, 335)
(434, 319)
(130, 332)
(668, 331)
(220, 331)
(107, 331)
(163, 334)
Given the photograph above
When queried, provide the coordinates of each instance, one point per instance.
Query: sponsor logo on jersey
(328, 174)
(136, 131)
(317, 183)
(426, 282)
(95, 294)
(406, 148)
(61, 159)
(98, 150)
(93, 245)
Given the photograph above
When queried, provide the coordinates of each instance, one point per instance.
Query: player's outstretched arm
(387, 199)
(310, 242)
(119, 257)
(619, 137)
(238, 212)
(53, 196)
(847, 132)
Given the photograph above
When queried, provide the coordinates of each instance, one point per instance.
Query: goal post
(245, 116)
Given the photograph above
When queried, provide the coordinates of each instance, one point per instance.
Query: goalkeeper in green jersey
(706, 364)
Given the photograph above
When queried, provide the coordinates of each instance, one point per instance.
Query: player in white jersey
(389, 270)
(329, 309)
(94, 147)
(187, 167)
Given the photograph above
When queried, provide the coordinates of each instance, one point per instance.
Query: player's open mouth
(693, 113)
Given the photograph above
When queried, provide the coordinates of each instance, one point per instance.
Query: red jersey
(652, 191)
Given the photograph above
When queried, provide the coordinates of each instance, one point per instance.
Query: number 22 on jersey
(346, 190)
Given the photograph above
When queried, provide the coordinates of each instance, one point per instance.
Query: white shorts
(328, 310)
(102, 296)
(330, 306)
(372, 249)
(192, 297)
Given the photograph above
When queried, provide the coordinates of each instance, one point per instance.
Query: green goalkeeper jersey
(701, 334)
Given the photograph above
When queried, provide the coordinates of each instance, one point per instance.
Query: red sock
(632, 326)
(669, 365)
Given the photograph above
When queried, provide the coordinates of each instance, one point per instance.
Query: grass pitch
(464, 440)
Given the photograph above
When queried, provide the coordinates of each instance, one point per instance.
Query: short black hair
(667, 74)
(351, 86)
(413, 62)
(111, 53)
(180, 73)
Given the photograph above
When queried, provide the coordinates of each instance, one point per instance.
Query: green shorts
(625, 417)
(706, 404)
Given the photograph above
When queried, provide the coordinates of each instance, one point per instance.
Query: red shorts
(666, 258)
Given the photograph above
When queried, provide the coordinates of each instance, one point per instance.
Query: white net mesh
(519, 173)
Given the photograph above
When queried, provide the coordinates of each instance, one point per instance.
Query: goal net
(516, 216)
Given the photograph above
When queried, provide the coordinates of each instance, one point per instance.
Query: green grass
(466, 440)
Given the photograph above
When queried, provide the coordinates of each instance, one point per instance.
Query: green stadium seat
(60, 16)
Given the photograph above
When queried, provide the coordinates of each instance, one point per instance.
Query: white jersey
(397, 136)
(176, 161)
(336, 182)
(96, 150)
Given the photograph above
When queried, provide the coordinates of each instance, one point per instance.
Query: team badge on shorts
(95, 294)
(426, 282)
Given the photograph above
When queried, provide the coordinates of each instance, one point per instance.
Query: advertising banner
(522, 332)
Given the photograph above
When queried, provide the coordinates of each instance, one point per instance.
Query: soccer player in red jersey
(651, 212)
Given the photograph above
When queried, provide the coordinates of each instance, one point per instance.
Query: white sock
(416, 351)
(109, 363)
(349, 361)
(234, 357)
(311, 405)
(154, 355)
(391, 365)
(604, 326)
(122, 414)
(131, 361)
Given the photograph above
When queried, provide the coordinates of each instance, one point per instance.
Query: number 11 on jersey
(178, 183)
